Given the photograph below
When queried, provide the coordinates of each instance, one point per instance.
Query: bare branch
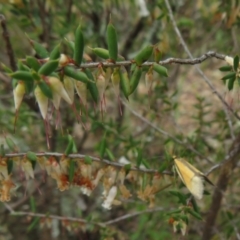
(61, 218)
(197, 68)
(187, 61)
(134, 214)
(81, 157)
(80, 220)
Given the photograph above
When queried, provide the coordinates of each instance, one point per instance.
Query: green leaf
(33, 224)
(87, 160)
(12, 146)
(70, 145)
(124, 82)
(35, 76)
(76, 74)
(22, 75)
(55, 54)
(6, 69)
(104, 53)
(32, 204)
(225, 68)
(110, 154)
(49, 67)
(91, 85)
(162, 167)
(173, 212)
(193, 213)
(33, 63)
(144, 55)
(112, 41)
(162, 71)
(31, 156)
(229, 75)
(45, 88)
(9, 165)
(236, 63)
(79, 46)
(22, 66)
(231, 83)
(135, 78)
(181, 197)
(139, 157)
(40, 50)
(70, 44)
(195, 206)
(101, 52)
(127, 168)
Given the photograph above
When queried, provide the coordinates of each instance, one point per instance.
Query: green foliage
(178, 114)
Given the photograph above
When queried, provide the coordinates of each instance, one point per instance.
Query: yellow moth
(191, 177)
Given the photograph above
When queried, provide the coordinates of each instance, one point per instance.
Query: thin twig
(187, 61)
(229, 122)
(187, 145)
(81, 157)
(6, 38)
(80, 220)
(61, 218)
(178, 33)
(131, 215)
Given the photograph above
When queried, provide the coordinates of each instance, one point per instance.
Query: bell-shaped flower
(18, 93)
(42, 101)
(58, 89)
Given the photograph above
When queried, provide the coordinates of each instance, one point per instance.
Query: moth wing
(191, 177)
(197, 187)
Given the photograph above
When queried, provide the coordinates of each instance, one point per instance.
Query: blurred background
(182, 105)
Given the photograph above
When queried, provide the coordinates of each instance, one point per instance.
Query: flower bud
(58, 89)
(42, 101)
(81, 89)
(69, 87)
(18, 93)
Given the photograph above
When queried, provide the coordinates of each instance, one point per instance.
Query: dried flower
(62, 180)
(110, 197)
(27, 168)
(109, 179)
(180, 224)
(5, 188)
(3, 168)
(124, 191)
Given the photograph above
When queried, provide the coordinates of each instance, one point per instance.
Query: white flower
(229, 60)
(110, 197)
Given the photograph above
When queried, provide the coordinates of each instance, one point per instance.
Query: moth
(191, 177)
